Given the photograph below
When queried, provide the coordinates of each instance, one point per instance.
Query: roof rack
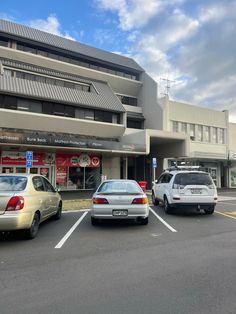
(176, 168)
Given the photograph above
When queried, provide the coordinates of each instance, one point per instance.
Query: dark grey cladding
(38, 36)
(103, 99)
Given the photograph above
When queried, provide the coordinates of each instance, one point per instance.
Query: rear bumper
(192, 205)
(106, 213)
(15, 221)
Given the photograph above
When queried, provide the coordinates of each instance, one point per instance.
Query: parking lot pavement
(122, 267)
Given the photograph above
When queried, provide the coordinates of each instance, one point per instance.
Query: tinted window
(38, 184)
(12, 183)
(193, 179)
(120, 187)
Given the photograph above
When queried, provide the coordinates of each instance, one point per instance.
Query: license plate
(120, 213)
(196, 191)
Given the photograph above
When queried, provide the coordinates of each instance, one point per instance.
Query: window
(69, 111)
(134, 124)
(207, 133)
(3, 41)
(79, 113)
(199, 133)
(59, 109)
(192, 132)
(7, 72)
(48, 186)
(184, 127)
(125, 100)
(214, 135)
(175, 126)
(47, 108)
(38, 184)
(221, 136)
(10, 102)
(89, 114)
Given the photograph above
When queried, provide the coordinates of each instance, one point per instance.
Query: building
(88, 114)
(207, 131)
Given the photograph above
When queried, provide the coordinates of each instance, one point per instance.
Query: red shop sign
(18, 158)
(78, 160)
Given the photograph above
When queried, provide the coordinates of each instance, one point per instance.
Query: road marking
(162, 220)
(226, 215)
(227, 203)
(68, 234)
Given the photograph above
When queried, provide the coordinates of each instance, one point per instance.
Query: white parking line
(68, 234)
(162, 220)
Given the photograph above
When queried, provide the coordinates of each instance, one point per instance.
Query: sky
(191, 43)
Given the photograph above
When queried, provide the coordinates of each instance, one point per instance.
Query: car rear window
(120, 187)
(12, 183)
(193, 178)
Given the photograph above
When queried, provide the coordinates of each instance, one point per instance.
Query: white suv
(185, 189)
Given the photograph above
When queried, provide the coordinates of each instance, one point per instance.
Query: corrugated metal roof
(105, 100)
(67, 44)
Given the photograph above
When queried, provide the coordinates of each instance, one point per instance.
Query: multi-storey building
(87, 114)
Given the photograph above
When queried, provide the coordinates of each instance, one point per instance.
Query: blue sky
(191, 42)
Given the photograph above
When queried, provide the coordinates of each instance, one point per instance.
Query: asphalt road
(184, 264)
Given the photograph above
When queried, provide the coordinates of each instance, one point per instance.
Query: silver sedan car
(120, 199)
(25, 201)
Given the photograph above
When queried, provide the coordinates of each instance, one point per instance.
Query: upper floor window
(134, 124)
(80, 61)
(175, 126)
(126, 100)
(3, 41)
(221, 136)
(192, 131)
(199, 133)
(184, 127)
(214, 136)
(206, 133)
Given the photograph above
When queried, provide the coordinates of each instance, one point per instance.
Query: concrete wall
(111, 167)
(232, 137)
(49, 123)
(147, 99)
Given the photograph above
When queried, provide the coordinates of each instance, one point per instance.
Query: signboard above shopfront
(33, 138)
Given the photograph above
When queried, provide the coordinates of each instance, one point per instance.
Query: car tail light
(15, 203)
(177, 186)
(100, 200)
(140, 200)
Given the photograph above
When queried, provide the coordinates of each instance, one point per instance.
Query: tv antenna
(167, 86)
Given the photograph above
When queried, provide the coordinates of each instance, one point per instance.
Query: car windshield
(119, 187)
(193, 178)
(12, 183)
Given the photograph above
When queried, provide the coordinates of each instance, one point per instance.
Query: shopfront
(15, 162)
(78, 171)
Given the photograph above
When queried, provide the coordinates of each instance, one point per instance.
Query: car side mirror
(57, 189)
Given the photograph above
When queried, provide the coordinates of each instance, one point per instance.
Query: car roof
(185, 171)
(20, 174)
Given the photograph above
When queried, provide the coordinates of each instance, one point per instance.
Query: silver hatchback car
(25, 201)
(120, 199)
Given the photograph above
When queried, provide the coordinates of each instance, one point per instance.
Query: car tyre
(209, 211)
(57, 216)
(167, 208)
(144, 221)
(154, 200)
(94, 221)
(33, 230)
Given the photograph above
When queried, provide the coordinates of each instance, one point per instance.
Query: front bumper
(15, 221)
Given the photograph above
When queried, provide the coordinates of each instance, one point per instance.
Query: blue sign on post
(29, 159)
(154, 162)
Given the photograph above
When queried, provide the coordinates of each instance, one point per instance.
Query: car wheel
(166, 206)
(154, 200)
(144, 221)
(57, 216)
(210, 210)
(94, 221)
(33, 230)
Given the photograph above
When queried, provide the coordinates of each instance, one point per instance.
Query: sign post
(29, 160)
(154, 166)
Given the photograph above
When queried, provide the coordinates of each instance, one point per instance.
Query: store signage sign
(63, 140)
(19, 158)
(78, 160)
(232, 155)
(29, 159)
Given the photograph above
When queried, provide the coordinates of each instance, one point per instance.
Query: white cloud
(132, 13)
(50, 25)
